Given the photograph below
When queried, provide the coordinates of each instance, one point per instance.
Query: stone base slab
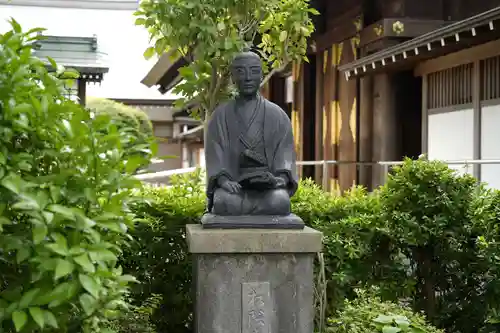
(202, 240)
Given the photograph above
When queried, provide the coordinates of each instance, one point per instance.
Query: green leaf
(59, 294)
(22, 254)
(114, 226)
(28, 298)
(48, 216)
(38, 316)
(61, 210)
(127, 278)
(60, 246)
(221, 26)
(52, 62)
(88, 304)
(390, 329)
(26, 205)
(402, 322)
(63, 268)
(283, 36)
(149, 53)
(140, 21)
(83, 260)
(39, 233)
(70, 74)
(19, 318)
(314, 11)
(383, 319)
(15, 25)
(57, 248)
(12, 182)
(90, 285)
(55, 193)
(35, 31)
(84, 222)
(102, 255)
(50, 319)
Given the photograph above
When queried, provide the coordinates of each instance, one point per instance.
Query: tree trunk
(427, 297)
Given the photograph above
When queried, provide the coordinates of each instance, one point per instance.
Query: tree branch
(272, 72)
(213, 98)
(213, 78)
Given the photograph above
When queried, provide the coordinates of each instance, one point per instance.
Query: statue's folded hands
(229, 185)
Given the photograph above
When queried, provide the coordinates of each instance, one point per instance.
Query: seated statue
(249, 150)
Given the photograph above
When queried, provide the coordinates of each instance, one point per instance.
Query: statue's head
(246, 71)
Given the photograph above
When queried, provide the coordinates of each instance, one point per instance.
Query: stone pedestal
(253, 280)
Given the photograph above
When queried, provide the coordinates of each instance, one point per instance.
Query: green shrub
(369, 314)
(427, 212)
(65, 185)
(137, 319)
(429, 238)
(159, 257)
(486, 217)
(124, 115)
(127, 119)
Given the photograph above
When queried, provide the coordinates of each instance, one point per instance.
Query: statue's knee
(225, 203)
(279, 201)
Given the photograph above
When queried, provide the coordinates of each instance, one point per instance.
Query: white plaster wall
(490, 144)
(117, 36)
(451, 137)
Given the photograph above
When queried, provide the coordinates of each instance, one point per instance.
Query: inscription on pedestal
(256, 307)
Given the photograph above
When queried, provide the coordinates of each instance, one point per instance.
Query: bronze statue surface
(250, 156)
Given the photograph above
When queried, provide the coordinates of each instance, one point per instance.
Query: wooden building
(382, 73)
(382, 80)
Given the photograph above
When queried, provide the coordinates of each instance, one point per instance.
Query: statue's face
(247, 74)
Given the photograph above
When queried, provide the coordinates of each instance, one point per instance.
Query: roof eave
(424, 43)
(165, 72)
(158, 70)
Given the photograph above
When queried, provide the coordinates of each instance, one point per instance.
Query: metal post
(325, 176)
(385, 169)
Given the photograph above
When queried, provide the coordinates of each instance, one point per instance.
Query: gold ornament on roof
(398, 27)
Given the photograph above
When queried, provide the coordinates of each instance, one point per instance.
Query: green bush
(485, 215)
(369, 314)
(159, 257)
(428, 238)
(428, 214)
(137, 318)
(65, 186)
(131, 120)
(125, 116)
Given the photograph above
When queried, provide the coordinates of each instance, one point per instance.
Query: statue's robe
(245, 140)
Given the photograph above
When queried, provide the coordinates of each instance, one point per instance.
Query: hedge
(428, 240)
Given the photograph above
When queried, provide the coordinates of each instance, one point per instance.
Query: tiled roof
(80, 53)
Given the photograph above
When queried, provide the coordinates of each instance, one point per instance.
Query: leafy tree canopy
(125, 115)
(209, 33)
